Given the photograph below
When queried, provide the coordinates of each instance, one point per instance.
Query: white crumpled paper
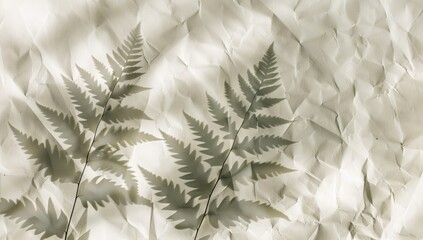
(351, 75)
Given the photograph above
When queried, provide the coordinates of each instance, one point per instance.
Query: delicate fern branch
(52, 159)
(35, 216)
(69, 131)
(86, 162)
(174, 198)
(96, 101)
(206, 209)
(212, 157)
(83, 104)
(194, 172)
(125, 65)
(251, 92)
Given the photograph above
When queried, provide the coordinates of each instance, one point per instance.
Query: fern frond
(98, 191)
(104, 71)
(126, 62)
(267, 169)
(260, 144)
(123, 90)
(120, 114)
(106, 159)
(266, 75)
(266, 69)
(230, 211)
(263, 121)
(35, 216)
(254, 170)
(174, 199)
(94, 87)
(267, 90)
(254, 82)
(255, 91)
(122, 136)
(53, 160)
(236, 173)
(234, 101)
(208, 141)
(68, 129)
(221, 117)
(265, 102)
(116, 67)
(194, 173)
(87, 111)
(246, 89)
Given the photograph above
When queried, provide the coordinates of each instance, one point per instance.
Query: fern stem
(224, 161)
(112, 88)
(88, 155)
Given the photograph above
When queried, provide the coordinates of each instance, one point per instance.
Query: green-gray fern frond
(34, 216)
(83, 104)
(238, 172)
(263, 121)
(267, 169)
(99, 191)
(99, 92)
(245, 172)
(125, 90)
(68, 130)
(121, 114)
(260, 144)
(106, 159)
(204, 162)
(95, 132)
(126, 60)
(194, 172)
(234, 101)
(123, 68)
(104, 72)
(52, 159)
(122, 136)
(221, 117)
(174, 199)
(210, 143)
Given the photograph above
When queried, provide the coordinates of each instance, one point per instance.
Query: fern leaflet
(95, 88)
(259, 145)
(35, 216)
(120, 114)
(221, 117)
(98, 191)
(53, 160)
(87, 111)
(192, 167)
(174, 199)
(69, 131)
(122, 136)
(208, 141)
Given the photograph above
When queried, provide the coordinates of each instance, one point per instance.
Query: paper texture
(346, 164)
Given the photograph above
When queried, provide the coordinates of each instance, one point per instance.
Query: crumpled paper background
(351, 76)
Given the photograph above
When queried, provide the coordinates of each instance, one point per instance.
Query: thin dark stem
(223, 164)
(88, 155)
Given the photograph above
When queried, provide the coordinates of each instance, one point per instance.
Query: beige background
(351, 72)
